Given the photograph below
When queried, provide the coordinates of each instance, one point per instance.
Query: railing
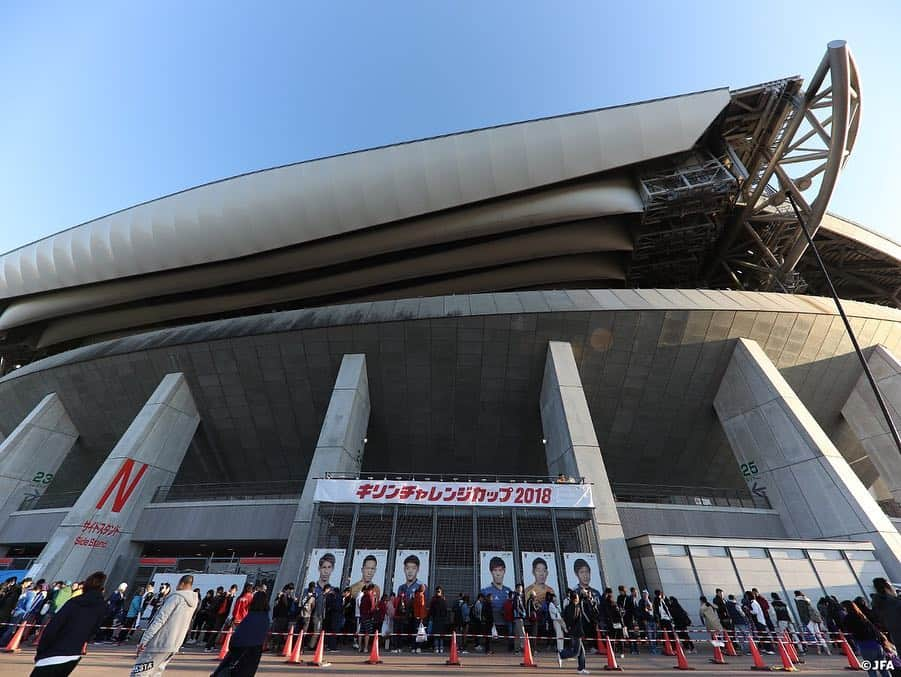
(231, 491)
(681, 495)
(451, 477)
(62, 499)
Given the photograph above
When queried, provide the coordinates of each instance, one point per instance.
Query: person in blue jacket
(246, 647)
(59, 649)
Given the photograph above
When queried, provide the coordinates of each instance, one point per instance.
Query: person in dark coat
(681, 622)
(438, 613)
(246, 647)
(577, 623)
(334, 615)
(887, 608)
(62, 640)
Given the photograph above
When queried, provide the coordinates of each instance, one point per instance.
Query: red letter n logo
(122, 486)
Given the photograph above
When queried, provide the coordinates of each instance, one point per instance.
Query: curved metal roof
(302, 202)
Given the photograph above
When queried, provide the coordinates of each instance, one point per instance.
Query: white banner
(454, 493)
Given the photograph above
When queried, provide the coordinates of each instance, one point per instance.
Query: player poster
(411, 569)
(539, 574)
(324, 566)
(496, 575)
(582, 571)
(368, 567)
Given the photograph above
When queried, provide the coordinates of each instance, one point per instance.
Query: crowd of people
(65, 616)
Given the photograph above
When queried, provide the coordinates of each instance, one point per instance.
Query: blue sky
(107, 104)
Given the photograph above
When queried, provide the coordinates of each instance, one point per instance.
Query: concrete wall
(572, 449)
(863, 414)
(639, 519)
(805, 477)
(268, 520)
(31, 526)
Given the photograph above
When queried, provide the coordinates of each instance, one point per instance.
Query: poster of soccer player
(496, 575)
(368, 567)
(582, 572)
(324, 566)
(539, 574)
(411, 569)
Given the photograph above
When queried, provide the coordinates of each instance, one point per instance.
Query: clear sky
(107, 104)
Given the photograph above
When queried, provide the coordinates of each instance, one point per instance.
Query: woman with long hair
(438, 613)
(870, 642)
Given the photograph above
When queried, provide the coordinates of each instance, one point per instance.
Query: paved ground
(102, 661)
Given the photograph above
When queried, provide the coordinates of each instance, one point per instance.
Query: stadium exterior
(401, 349)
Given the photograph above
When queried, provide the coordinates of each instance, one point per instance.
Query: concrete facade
(787, 454)
(863, 414)
(339, 449)
(96, 533)
(572, 449)
(34, 450)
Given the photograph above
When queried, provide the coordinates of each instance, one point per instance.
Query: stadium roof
(687, 191)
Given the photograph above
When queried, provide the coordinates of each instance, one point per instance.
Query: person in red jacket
(242, 604)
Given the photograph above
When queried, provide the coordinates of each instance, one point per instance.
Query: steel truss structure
(799, 146)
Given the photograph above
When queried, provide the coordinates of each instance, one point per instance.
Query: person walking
(246, 646)
(59, 648)
(167, 631)
(438, 613)
(577, 622)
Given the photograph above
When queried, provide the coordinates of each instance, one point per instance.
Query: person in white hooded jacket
(167, 631)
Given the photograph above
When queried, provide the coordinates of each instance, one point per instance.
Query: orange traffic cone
(681, 661)
(730, 648)
(853, 663)
(667, 647)
(717, 652)
(790, 648)
(527, 660)
(16, 639)
(226, 643)
(453, 658)
(787, 665)
(755, 654)
(374, 658)
(319, 655)
(601, 646)
(289, 644)
(611, 657)
(298, 649)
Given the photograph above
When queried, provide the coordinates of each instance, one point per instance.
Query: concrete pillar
(863, 414)
(31, 455)
(804, 476)
(96, 533)
(339, 449)
(572, 448)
